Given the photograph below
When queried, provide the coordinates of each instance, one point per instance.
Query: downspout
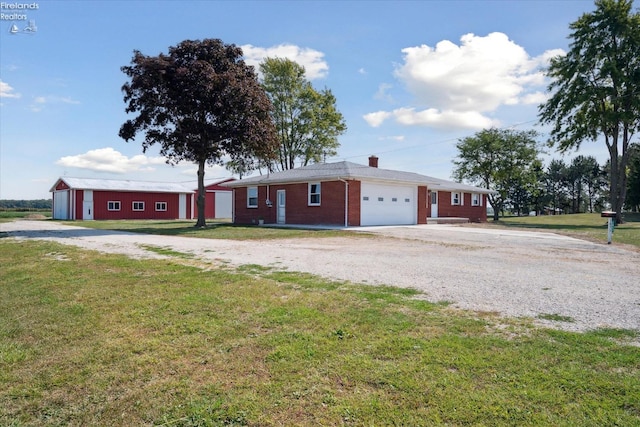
(346, 201)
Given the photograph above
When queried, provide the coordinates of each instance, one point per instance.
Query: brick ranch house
(350, 194)
(104, 199)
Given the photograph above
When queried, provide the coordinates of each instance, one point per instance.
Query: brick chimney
(373, 161)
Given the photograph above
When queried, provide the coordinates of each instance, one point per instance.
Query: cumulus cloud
(312, 60)
(455, 86)
(109, 160)
(7, 91)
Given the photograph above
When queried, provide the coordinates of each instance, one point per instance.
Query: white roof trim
(122, 185)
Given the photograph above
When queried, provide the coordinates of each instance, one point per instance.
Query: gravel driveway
(514, 273)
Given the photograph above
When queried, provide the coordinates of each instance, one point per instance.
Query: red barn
(84, 198)
(349, 194)
(218, 200)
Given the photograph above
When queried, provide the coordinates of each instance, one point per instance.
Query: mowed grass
(213, 230)
(11, 215)
(586, 226)
(94, 339)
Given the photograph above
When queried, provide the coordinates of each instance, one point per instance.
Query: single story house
(88, 199)
(350, 194)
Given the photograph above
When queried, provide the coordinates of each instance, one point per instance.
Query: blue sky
(410, 77)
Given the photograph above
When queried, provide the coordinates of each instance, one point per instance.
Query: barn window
(252, 197)
(455, 199)
(138, 206)
(314, 194)
(475, 199)
(161, 206)
(113, 206)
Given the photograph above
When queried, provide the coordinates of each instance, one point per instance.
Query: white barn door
(87, 205)
(61, 205)
(182, 206)
(223, 204)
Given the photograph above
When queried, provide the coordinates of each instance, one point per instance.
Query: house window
(138, 206)
(252, 197)
(365, 198)
(161, 206)
(314, 194)
(455, 199)
(394, 199)
(476, 199)
(381, 199)
(113, 206)
(407, 200)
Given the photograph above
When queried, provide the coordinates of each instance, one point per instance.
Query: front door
(87, 205)
(281, 204)
(434, 204)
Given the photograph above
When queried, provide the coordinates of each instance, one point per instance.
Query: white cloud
(40, 101)
(7, 91)
(109, 160)
(382, 93)
(535, 98)
(377, 118)
(396, 138)
(312, 60)
(455, 86)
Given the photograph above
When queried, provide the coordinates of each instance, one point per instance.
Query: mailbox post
(611, 224)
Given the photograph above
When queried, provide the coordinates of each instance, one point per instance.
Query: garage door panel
(387, 204)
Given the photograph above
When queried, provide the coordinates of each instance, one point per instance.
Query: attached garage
(383, 204)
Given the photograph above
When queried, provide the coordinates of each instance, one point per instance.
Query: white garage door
(223, 204)
(387, 204)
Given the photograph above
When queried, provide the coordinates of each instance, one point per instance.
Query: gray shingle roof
(352, 171)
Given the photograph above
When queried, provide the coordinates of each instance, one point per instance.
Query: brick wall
(424, 205)
(330, 212)
(465, 210)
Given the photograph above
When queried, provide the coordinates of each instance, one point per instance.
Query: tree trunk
(201, 195)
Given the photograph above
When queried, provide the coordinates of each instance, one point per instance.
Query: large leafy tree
(500, 160)
(633, 183)
(595, 87)
(307, 121)
(200, 103)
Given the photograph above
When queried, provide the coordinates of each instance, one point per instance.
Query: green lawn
(586, 226)
(213, 230)
(94, 339)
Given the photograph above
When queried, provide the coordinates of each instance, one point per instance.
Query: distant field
(585, 226)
